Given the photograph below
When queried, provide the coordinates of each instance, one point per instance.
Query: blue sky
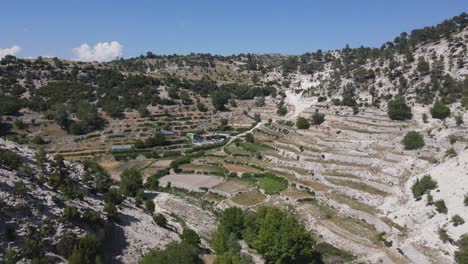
(55, 27)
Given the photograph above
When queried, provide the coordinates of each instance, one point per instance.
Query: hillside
(366, 148)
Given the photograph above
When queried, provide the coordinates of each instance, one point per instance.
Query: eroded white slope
(423, 221)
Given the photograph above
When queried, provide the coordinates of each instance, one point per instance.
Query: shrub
(440, 111)
(92, 217)
(111, 211)
(281, 109)
(66, 244)
(160, 220)
(318, 118)
(450, 152)
(32, 248)
(398, 110)
(113, 196)
(201, 107)
(423, 185)
(19, 124)
(9, 159)
(461, 255)
(20, 188)
(457, 220)
(38, 140)
(440, 206)
(465, 200)
(10, 256)
(152, 182)
(424, 118)
(459, 119)
(444, 236)
(302, 123)
(413, 140)
(71, 213)
(149, 204)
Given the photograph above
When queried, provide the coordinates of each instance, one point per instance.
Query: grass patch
(255, 147)
(249, 198)
(271, 184)
(236, 151)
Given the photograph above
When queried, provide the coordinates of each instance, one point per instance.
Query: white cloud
(9, 51)
(102, 51)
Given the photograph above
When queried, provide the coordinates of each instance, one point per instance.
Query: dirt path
(245, 133)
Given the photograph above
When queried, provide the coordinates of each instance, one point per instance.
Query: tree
(190, 237)
(185, 97)
(423, 66)
(219, 99)
(398, 110)
(230, 258)
(152, 182)
(249, 138)
(66, 244)
(158, 139)
(413, 140)
(113, 196)
(302, 123)
(111, 211)
(233, 220)
(131, 181)
(88, 251)
(9, 106)
(176, 253)
(280, 238)
(440, 111)
(281, 109)
(219, 242)
(143, 111)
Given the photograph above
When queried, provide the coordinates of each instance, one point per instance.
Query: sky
(105, 29)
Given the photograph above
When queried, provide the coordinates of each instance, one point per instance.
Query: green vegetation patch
(270, 183)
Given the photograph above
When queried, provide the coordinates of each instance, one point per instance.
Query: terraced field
(337, 177)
